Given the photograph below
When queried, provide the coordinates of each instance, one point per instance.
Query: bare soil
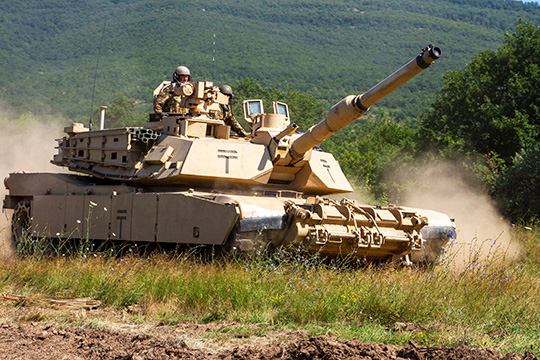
(22, 340)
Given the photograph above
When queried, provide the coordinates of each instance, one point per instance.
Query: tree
(120, 112)
(518, 188)
(492, 106)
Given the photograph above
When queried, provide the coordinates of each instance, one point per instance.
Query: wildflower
(78, 221)
(105, 209)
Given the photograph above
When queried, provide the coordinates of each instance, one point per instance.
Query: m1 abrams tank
(183, 179)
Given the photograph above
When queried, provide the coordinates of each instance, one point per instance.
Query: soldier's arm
(235, 125)
(160, 99)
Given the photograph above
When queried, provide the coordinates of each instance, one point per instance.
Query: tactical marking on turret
(227, 157)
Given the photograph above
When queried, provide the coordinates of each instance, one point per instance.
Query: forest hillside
(53, 50)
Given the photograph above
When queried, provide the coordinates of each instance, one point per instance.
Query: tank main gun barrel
(352, 107)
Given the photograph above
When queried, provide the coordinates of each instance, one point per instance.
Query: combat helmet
(181, 70)
(227, 90)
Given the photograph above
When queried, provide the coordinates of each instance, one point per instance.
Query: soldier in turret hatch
(166, 101)
(228, 116)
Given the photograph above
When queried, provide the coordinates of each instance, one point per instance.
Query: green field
(487, 302)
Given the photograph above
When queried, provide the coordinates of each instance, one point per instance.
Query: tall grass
(489, 303)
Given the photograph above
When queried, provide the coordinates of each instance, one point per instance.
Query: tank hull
(66, 206)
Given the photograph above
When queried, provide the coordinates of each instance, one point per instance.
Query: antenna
(213, 55)
(95, 76)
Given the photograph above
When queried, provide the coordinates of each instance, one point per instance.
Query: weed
(289, 289)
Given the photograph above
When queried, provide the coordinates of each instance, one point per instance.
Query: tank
(184, 179)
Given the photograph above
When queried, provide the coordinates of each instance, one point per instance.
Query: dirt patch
(35, 341)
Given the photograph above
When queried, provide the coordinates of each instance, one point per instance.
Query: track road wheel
(21, 221)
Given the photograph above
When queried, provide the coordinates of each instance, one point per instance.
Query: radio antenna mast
(213, 55)
(95, 76)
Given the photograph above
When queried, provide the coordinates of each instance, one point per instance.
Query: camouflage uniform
(230, 120)
(167, 102)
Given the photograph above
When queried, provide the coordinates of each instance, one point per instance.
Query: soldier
(165, 101)
(228, 116)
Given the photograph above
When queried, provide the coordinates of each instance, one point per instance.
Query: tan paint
(184, 179)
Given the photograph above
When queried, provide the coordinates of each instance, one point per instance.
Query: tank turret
(183, 178)
(318, 172)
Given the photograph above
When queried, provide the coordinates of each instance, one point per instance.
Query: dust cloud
(483, 235)
(27, 145)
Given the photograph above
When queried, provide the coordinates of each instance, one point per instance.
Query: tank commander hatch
(228, 116)
(165, 101)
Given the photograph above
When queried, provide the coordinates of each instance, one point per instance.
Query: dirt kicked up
(36, 341)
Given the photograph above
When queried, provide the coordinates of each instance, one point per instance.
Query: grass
(488, 304)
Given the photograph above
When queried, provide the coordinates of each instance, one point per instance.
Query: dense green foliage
(50, 49)
(518, 186)
(308, 54)
(492, 108)
(121, 112)
(493, 104)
